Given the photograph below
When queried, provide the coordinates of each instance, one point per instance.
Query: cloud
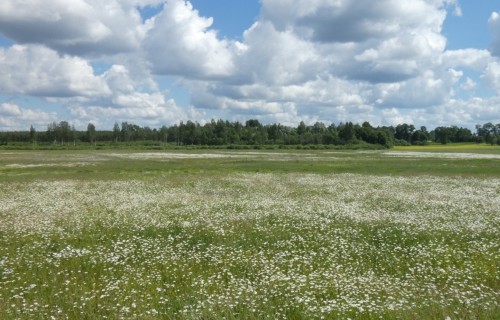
(494, 24)
(13, 117)
(9, 110)
(492, 75)
(393, 117)
(383, 42)
(180, 42)
(286, 58)
(140, 100)
(129, 101)
(352, 21)
(39, 71)
(428, 90)
(474, 59)
(465, 113)
(397, 59)
(70, 81)
(134, 109)
(311, 60)
(469, 85)
(176, 41)
(277, 57)
(79, 27)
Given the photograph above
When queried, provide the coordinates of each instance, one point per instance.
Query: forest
(254, 133)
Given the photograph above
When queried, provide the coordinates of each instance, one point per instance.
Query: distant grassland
(454, 147)
(126, 164)
(409, 233)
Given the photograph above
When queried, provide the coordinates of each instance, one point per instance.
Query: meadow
(409, 233)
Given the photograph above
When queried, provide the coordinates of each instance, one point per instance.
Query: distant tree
(252, 132)
(51, 131)
(366, 124)
(163, 134)
(302, 128)
(253, 123)
(125, 131)
(59, 132)
(404, 132)
(147, 134)
(91, 133)
(383, 139)
(255, 133)
(73, 134)
(347, 132)
(220, 130)
(189, 132)
(318, 127)
(64, 131)
(367, 133)
(488, 132)
(442, 135)
(420, 136)
(116, 132)
(275, 133)
(33, 134)
(332, 128)
(463, 135)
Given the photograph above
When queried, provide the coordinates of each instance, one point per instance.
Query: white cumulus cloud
(492, 75)
(329, 60)
(142, 110)
(80, 27)
(13, 117)
(39, 71)
(494, 24)
(334, 59)
(180, 42)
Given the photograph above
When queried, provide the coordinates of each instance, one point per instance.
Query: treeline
(252, 132)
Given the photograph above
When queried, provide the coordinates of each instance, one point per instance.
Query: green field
(409, 233)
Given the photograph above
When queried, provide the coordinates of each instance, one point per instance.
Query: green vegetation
(453, 147)
(444, 160)
(253, 134)
(408, 233)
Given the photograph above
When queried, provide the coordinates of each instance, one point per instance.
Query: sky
(158, 62)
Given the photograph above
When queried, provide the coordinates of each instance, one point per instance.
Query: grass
(249, 235)
(454, 147)
(124, 164)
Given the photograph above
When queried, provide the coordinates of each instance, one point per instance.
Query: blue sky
(231, 18)
(470, 30)
(158, 62)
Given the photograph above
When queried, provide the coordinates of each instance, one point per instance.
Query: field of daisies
(230, 244)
